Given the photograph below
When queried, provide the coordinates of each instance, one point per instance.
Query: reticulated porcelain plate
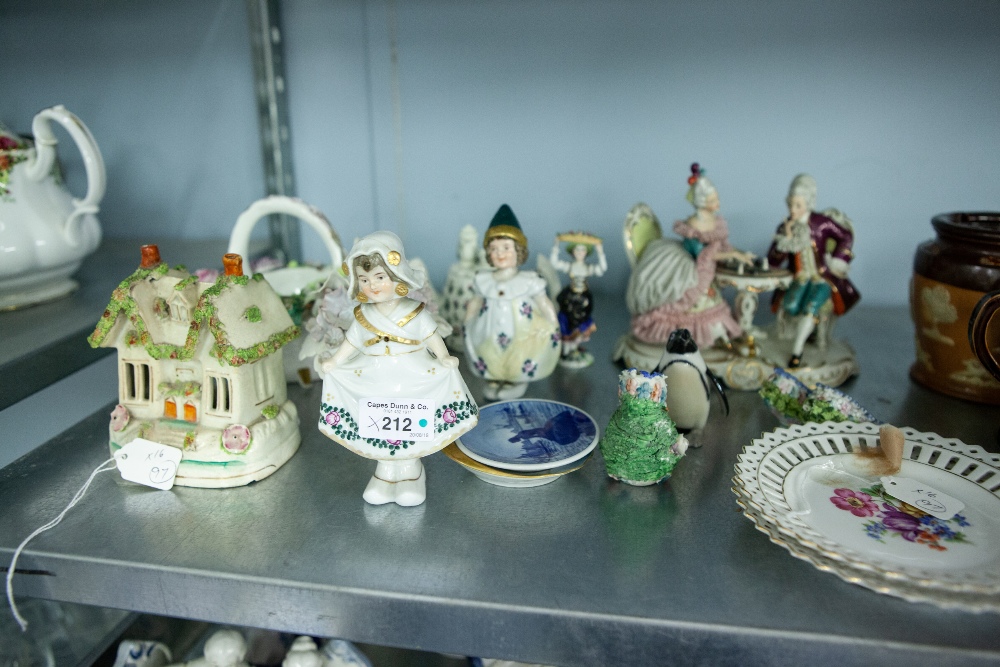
(866, 577)
(530, 434)
(819, 486)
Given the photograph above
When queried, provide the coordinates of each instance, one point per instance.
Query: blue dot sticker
(423, 423)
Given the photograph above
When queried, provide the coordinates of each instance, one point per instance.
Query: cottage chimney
(233, 264)
(150, 256)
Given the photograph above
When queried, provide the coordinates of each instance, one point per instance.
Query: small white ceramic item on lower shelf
(225, 648)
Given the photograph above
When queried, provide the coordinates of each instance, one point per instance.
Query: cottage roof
(246, 318)
(242, 314)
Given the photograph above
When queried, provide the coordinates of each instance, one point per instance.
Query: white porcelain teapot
(44, 231)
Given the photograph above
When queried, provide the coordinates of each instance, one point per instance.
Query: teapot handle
(45, 148)
(239, 240)
(979, 322)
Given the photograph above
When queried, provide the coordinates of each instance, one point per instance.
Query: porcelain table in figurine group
(677, 284)
(576, 303)
(391, 391)
(511, 327)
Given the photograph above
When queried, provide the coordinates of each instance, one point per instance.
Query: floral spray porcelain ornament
(391, 391)
(511, 328)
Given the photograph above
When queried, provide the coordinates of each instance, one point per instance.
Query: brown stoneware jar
(951, 273)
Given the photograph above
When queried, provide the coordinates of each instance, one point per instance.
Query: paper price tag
(396, 418)
(923, 497)
(148, 463)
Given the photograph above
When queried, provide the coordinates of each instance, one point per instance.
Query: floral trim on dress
(341, 422)
(526, 309)
(529, 368)
(503, 340)
(893, 518)
(453, 414)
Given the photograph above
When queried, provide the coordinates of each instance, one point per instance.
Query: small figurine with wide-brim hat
(511, 328)
(576, 303)
(392, 374)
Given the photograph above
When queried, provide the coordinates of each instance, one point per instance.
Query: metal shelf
(584, 571)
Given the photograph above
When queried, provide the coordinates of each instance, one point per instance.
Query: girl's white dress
(511, 340)
(394, 362)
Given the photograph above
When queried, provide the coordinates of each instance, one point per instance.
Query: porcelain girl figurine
(576, 304)
(511, 329)
(817, 248)
(673, 284)
(392, 356)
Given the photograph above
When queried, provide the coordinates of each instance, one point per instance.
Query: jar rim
(979, 225)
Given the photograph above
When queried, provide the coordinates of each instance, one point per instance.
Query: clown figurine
(817, 248)
(576, 304)
(392, 360)
(511, 329)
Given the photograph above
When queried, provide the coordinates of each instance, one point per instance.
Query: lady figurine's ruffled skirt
(414, 376)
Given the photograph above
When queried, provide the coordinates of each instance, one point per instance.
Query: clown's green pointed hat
(504, 225)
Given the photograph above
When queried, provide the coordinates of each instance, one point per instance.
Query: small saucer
(530, 435)
(509, 478)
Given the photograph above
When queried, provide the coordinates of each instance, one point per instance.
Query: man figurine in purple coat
(817, 248)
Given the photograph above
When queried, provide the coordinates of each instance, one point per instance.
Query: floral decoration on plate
(890, 518)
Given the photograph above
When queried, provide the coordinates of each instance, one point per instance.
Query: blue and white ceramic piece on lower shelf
(530, 434)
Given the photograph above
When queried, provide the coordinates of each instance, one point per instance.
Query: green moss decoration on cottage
(270, 411)
(252, 314)
(641, 445)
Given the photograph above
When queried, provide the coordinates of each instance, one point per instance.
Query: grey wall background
(425, 115)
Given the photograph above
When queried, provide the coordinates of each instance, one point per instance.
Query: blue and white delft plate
(530, 434)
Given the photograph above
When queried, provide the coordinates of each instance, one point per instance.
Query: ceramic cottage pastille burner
(511, 328)
(200, 368)
(392, 360)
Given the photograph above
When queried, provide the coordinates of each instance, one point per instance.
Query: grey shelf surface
(40, 345)
(584, 571)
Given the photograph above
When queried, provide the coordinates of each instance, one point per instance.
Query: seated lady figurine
(817, 249)
(511, 328)
(392, 351)
(672, 286)
(576, 304)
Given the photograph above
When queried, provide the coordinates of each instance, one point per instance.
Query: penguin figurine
(689, 382)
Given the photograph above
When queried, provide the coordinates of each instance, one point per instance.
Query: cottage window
(220, 394)
(137, 382)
